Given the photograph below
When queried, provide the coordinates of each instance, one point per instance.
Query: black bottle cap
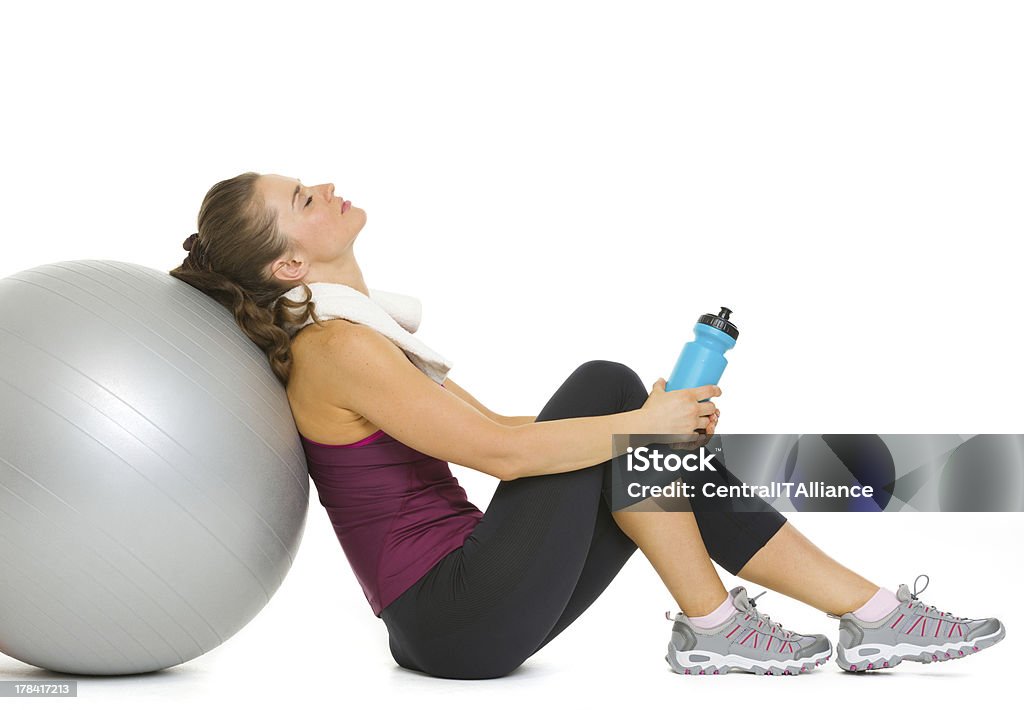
(722, 322)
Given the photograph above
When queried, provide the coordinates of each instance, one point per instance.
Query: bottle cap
(722, 322)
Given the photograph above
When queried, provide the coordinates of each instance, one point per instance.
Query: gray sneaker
(912, 632)
(749, 642)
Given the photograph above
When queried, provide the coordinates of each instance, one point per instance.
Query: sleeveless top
(395, 510)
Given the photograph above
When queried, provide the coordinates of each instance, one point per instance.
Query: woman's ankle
(880, 605)
(719, 615)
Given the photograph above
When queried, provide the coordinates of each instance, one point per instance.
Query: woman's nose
(330, 190)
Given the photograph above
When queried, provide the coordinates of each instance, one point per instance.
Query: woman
(466, 594)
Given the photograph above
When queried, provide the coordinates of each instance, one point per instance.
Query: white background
(565, 181)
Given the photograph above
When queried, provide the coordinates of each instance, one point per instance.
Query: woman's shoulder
(316, 348)
(317, 417)
(314, 338)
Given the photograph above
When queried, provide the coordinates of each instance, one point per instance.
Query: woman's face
(321, 225)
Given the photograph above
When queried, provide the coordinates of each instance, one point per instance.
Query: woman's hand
(712, 423)
(681, 412)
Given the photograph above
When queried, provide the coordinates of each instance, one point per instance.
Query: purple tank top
(395, 510)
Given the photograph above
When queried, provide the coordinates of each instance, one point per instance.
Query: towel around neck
(394, 315)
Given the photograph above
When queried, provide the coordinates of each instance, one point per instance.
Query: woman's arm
(465, 396)
(362, 371)
(519, 421)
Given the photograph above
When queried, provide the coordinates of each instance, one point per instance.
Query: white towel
(394, 315)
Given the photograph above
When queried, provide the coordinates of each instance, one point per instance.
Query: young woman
(471, 594)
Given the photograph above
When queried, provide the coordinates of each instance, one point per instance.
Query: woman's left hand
(703, 438)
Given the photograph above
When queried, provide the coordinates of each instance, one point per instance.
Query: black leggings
(545, 549)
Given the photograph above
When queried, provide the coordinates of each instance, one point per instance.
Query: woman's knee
(594, 388)
(609, 371)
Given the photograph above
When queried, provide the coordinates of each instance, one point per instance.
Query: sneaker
(912, 632)
(749, 642)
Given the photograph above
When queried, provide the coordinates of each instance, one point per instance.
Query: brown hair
(237, 240)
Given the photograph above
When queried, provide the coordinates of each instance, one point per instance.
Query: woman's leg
(678, 546)
(793, 565)
(672, 543)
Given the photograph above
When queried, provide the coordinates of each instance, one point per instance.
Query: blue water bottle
(703, 359)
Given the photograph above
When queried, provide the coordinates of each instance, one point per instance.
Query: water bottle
(703, 359)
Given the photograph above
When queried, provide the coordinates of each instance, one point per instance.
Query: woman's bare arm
(363, 371)
(465, 396)
(519, 421)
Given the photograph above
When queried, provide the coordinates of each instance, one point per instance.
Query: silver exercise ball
(153, 488)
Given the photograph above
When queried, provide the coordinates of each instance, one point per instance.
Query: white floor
(317, 642)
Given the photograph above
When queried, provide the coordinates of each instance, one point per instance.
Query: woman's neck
(348, 274)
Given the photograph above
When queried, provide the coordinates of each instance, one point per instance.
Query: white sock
(719, 616)
(878, 606)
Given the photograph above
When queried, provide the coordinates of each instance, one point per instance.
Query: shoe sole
(709, 663)
(878, 656)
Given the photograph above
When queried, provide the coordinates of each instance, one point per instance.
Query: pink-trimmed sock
(878, 606)
(719, 616)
